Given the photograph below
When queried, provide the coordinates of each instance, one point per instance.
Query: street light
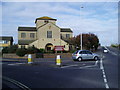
(81, 36)
(81, 40)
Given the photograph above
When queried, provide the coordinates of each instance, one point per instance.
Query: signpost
(59, 48)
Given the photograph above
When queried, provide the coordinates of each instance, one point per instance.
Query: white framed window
(32, 35)
(49, 34)
(3, 41)
(67, 35)
(23, 35)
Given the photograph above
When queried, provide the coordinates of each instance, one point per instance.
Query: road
(72, 74)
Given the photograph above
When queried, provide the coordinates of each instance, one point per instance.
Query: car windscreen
(75, 52)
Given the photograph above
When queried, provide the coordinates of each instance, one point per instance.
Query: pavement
(44, 73)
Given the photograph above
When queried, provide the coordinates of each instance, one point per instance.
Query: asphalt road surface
(44, 73)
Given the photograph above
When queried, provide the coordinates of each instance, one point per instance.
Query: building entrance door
(48, 47)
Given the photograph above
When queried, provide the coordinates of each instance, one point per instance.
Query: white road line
(15, 63)
(96, 62)
(68, 66)
(22, 86)
(104, 76)
(106, 48)
(90, 65)
(81, 67)
(110, 51)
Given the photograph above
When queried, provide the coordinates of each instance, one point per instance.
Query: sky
(100, 18)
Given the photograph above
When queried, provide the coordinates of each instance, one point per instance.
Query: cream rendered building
(46, 35)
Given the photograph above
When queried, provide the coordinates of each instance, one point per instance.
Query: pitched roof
(9, 38)
(46, 24)
(27, 29)
(44, 18)
(66, 30)
(25, 42)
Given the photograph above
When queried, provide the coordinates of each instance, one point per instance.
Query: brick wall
(15, 56)
(63, 55)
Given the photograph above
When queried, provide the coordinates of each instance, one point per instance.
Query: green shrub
(72, 51)
(10, 49)
(5, 50)
(42, 50)
(21, 52)
(32, 50)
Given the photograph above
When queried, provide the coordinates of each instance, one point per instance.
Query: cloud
(92, 18)
(60, 0)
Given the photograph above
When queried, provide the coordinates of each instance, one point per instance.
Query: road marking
(68, 66)
(106, 48)
(82, 64)
(90, 65)
(103, 72)
(15, 63)
(96, 62)
(110, 51)
(22, 86)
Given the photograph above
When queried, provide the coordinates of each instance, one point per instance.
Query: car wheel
(79, 59)
(95, 58)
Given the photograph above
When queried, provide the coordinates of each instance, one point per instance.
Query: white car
(84, 54)
(105, 51)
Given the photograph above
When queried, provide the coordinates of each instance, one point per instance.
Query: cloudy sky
(100, 18)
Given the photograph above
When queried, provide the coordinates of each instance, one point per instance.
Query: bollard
(29, 59)
(58, 60)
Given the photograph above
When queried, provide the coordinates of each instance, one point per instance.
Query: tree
(90, 41)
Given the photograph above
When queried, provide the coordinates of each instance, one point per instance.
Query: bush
(21, 52)
(5, 50)
(72, 51)
(114, 45)
(32, 50)
(10, 49)
(42, 50)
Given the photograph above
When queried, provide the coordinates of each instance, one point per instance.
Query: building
(5, 41)
(46, 35)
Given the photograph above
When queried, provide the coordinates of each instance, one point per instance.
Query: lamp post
(81, 34)
(81, 41)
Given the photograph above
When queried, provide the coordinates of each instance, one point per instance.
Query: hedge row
(21, 51)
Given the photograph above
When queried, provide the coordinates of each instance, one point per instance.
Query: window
(49, 34)
(32, 35)
(22, 46)
(83, 52)
(67, 35)
(46, 21)
(5, 41)
(1, 41)
(23, 35)
(61, 36)
(88, 52)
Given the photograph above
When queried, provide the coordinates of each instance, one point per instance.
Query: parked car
(84, 54)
